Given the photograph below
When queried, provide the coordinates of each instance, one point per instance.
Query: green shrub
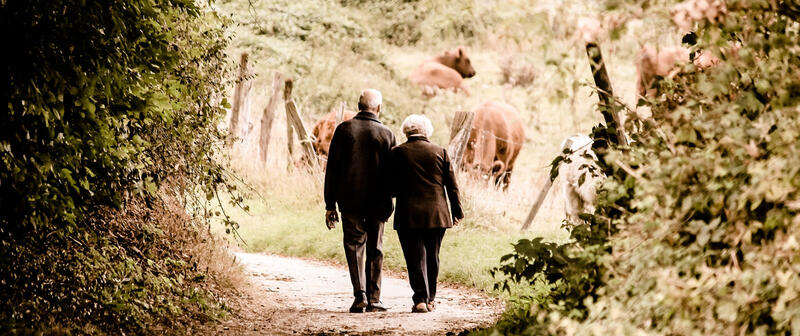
(697, 225)
(111, 106)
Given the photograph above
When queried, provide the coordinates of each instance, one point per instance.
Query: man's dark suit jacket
(421, 175)
(357, 168)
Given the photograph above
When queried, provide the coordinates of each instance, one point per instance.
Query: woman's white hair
(417, 124)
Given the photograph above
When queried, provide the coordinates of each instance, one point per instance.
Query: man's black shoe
(359, 304)
(376, 307)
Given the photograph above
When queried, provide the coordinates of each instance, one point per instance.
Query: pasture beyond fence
(240, 124)
(460, 129)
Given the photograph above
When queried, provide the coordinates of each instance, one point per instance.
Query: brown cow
(323, 132)
(445, 71)
(665, 62)
(496, 140)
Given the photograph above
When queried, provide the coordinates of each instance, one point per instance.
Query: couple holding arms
(365, 170)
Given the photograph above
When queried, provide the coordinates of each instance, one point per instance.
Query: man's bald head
(370, 101)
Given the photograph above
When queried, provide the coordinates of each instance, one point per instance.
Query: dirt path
(291, 296)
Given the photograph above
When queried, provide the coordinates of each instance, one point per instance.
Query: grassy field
(334, 49)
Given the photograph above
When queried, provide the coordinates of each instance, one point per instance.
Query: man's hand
(331, 218)
(456, 221)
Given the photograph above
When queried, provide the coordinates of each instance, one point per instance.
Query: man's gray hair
(417, 124)
(370, 100)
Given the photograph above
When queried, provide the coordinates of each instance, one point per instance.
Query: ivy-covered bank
(698, 222)
(110, 122)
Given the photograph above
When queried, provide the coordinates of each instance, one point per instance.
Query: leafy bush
(697, 225)
(110, 106)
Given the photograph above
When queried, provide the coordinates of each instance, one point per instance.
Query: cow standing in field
(580, 176)
(323, 132)
(495, 142)
(665, 62)
(445, 71)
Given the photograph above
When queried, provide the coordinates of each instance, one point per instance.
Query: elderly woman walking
(422, 181)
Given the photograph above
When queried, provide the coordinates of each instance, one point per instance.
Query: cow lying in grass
(445, 71)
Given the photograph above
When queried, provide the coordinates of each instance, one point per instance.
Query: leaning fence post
(289, 127)
(608, 107)
(537, 204)
(294, 120)
(460, 131)
(289, 138)
(269, 115)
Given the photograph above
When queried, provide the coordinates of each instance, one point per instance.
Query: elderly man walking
(355, 179)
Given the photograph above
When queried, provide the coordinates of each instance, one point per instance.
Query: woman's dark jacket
(422, 179)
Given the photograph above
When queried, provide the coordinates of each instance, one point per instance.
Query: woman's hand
(456, 221)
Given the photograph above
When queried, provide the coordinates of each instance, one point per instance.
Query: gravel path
(291, 296)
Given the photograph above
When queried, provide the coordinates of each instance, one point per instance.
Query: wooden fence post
(339, 115)
(240, 94)
(294, 120)
(537, 204)
(269, 115)
(608, 107)
(460, 130)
